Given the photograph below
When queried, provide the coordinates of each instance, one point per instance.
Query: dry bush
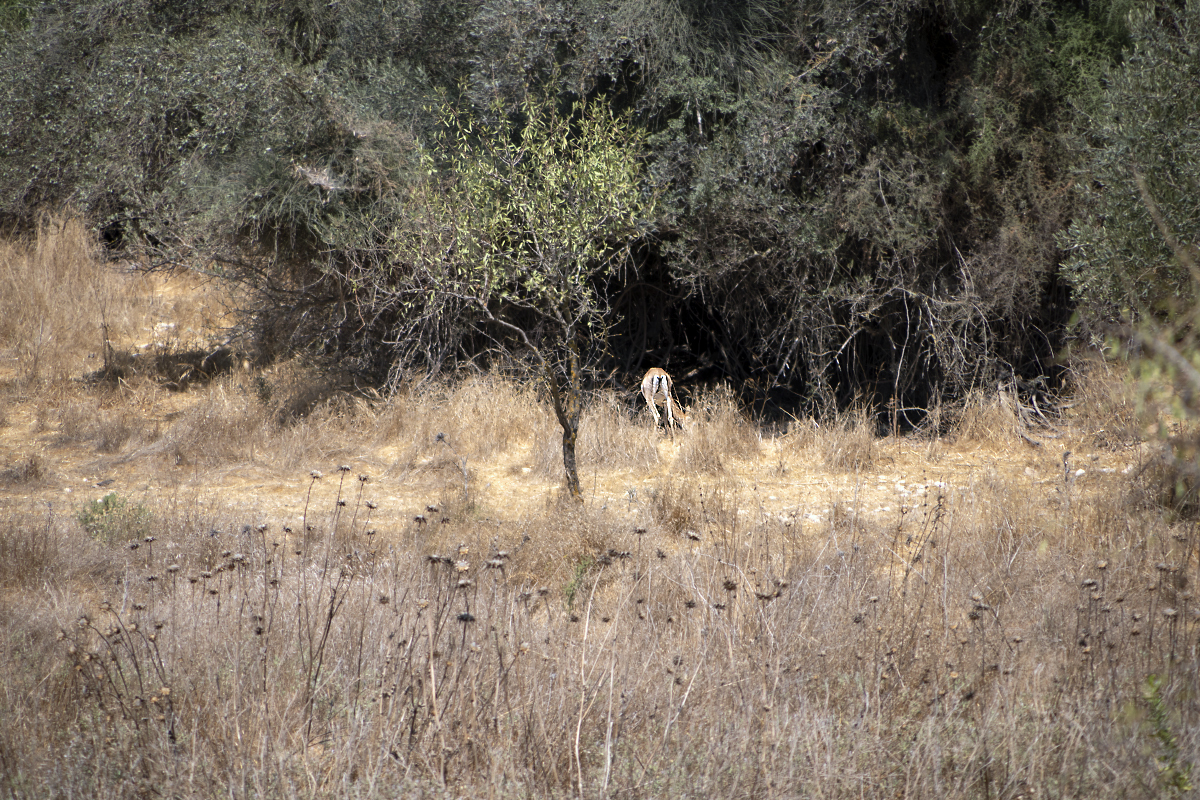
(1110, 410)
(294, 389)
(226, 425)
(285, 416)
(473, 419)
(39, 547)
(55, 294)
(65, 312)
(983, 419)
(612, 437)
(675, 508)
(1104, 405)
(717, 432)
(107, 426)
(1168, 477)
(30, 469)
(845, 443)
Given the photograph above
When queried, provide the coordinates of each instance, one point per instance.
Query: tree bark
(568, 406)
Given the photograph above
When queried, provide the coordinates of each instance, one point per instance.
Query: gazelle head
(685, 421)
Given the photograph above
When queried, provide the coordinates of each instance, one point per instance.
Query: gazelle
(656, 388)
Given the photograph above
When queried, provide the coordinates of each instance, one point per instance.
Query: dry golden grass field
(224, 581)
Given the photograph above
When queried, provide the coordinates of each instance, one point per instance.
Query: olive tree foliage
(859, 200)
(269, 143)
(521, 227)
(853, 200)
(1142, 177)
(1133, 257)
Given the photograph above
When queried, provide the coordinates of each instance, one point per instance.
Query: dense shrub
(857, 202)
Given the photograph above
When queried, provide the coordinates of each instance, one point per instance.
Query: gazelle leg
(650, 402)
(670, 414)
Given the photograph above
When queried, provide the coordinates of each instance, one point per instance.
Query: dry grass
(65, 311)
(719, 434)
(55, 295)
(731, 616)
(982, 419)
(844, 444)
(476, 418)
(569, 653)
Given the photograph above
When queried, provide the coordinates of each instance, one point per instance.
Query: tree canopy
(900, 201)
(519, 235)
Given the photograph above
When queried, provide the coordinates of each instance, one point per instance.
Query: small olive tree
(524, 222)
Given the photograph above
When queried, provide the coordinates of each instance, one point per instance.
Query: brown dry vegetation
(821, 613)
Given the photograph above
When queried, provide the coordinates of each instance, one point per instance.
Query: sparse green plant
(113, 518)
(578, 579)
(1174, 771)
